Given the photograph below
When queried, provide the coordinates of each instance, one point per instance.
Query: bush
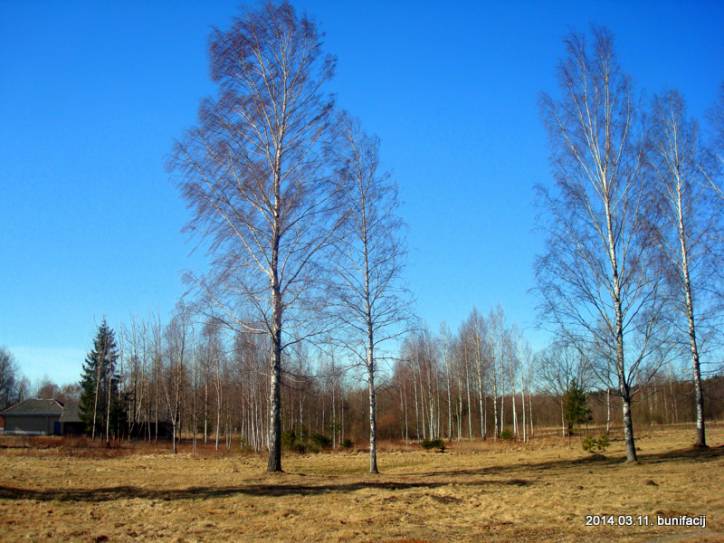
(288, 439)
(347, 443)
(321, 441)
(595, 445)
(506, 434)
(310, 444)
(291, 442)
(438, 444)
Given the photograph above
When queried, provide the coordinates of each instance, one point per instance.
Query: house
(42, 417)
(70, 423)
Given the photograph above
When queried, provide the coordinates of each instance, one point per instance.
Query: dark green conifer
(99, 385)
(575, 406)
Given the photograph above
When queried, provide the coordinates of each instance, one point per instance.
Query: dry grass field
(472, 492)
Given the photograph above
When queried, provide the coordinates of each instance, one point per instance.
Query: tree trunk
(449, 398)
(502, 407)
(206, 410)
(515, 416)
(698, 392)
(403, 414)
(334, 411)
(460, 410)
(108, 409)
(626, 400)
(373, 412)
(620, 363)
(628, 427)
(275, 416)
(496, 428)
(423, 409)
(485, 417)
(467, 389)
(608, 409)
(481, 407)
(530, 412)
(522, 400)
(218, 418)
(99, 368)
(431, 402)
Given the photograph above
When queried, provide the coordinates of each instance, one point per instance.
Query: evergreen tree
(575, 406)
(99, 407)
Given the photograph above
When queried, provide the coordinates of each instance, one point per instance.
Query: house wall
(73, 428)
(30, 424)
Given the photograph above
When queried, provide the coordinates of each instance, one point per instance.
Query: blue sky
(92, 95)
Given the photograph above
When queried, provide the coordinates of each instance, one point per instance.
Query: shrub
(288, 439)
(347, 443)
(595, 445)
(506, 434)
(310, 444)
(438, 444)
(321, 441)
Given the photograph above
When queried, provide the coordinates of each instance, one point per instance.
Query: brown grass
(473, 492)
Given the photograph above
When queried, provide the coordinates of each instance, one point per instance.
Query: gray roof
(70, 413)
(35, 406)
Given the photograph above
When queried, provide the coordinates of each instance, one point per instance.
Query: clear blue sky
(92, 95)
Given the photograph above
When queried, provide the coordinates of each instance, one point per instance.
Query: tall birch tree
(369, 257)
(597, 266)
(691, 230)
(255, 173)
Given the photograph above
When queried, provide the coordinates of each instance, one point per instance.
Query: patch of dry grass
(473, 492)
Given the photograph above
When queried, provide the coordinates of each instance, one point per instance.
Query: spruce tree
(575, 406)
(99, 384)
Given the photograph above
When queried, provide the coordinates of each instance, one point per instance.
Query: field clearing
(472, 492)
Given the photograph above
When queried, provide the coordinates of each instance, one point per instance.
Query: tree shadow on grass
(207, 492)
(450, 477)
(689, 454)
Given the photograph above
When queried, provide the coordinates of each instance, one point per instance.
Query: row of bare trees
(632, 270)
(459, 386)
(194, 379)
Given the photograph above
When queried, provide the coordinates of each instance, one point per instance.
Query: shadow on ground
(689, 454)
(283, 489)
(203, 492)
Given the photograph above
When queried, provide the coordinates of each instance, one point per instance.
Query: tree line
(444, 385)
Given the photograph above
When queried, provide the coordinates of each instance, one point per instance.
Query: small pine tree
(98, 381)
(575, 407)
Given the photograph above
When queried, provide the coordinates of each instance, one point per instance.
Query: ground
(472, 492)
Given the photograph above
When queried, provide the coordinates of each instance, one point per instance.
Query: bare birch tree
(446, 360)
(597, 265)
(474, 332)
(369, 257)
(691, 233)
(177, 342)
(255, 174)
